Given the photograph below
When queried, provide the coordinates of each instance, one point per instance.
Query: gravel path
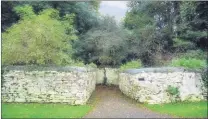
(113, 104)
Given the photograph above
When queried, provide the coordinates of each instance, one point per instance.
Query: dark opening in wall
(141, 79)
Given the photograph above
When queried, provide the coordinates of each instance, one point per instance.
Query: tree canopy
(65, 32)
(166, 26)
(86, 13)
(38, 39)
(103, 45)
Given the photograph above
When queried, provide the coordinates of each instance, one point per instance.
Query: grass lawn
(182, 109)
(56, 110)
(35, 110)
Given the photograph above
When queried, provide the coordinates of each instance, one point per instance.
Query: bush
(173, 92)
(190, 63)
(81, 64)
(78, 64)
(132, 64)
(92, 65)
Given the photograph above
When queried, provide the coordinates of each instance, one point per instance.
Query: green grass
(182, 109)
(35, 110)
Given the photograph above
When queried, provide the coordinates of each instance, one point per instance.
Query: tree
(86, 13)
(149, 31)
(8, 16)
(194, 24)
(166, 26)
(38, 39)
(95, 4)
(103, 45)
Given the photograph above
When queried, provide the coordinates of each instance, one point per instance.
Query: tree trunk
(105, 78)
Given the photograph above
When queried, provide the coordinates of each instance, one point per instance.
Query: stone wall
(99, 76)
(112, 75)
(149, 85)
(72, 85)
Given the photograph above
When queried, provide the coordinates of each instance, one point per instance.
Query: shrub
(77, 63)
(190, 63)
(173, 92)
(81, 64)
(130, 65)
(92, 65)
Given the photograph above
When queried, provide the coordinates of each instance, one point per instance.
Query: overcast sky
(114, 8)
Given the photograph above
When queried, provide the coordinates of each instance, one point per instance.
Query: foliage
(25, 12)
(130, 65)
(103, 45)
(194, 24)
(165, 27)
(182, 45)
(34, 110)
(95, 4)
(149, 31)
(140, 20)
(92, 65)
(78, 63)
(81, 64)
(151, 36)
(191, 63)
(173, 92)
(8, 15)
(204, 76)
(86, 16)
(196, 54)
(182, 109)
(40, 39)
(86, 12)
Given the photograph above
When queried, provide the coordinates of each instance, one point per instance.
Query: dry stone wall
(72, 85)
(149, 85)
(112, 75)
